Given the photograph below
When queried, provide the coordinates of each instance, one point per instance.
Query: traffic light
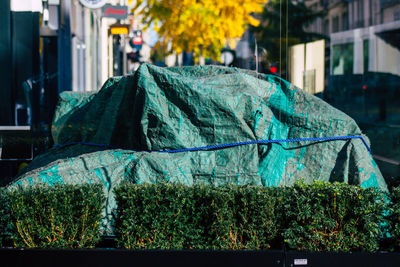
(273, 69)
(136, 40)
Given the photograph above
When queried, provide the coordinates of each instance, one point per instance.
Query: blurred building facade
(362, 36)
(51, 46)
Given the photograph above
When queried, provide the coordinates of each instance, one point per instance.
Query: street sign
(93, 3)
(119, 29)
(137, 38)
(116, 12)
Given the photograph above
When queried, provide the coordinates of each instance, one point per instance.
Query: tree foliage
(200, 26)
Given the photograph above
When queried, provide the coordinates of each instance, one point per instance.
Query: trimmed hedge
(4, 217)
(333, 217)
(166, 216)
(316, 217)
(62, 216)
(394, 220)
(257, 213)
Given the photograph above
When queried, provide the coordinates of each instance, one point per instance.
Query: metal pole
(256, 53)
(123, 55)
(124, 68)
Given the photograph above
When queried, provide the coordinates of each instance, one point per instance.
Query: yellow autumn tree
(199, 26)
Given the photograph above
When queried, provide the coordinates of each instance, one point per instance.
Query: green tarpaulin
(158, 109)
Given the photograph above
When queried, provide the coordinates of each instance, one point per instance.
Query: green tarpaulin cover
(158, 109)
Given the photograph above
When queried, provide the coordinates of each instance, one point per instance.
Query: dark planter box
(144, 258)
(149, 258)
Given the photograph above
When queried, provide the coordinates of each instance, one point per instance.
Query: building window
(396, 14)
(342, 56)
(366, 54)
(335, 24)
(360, 13)
(345, 21)
(326, 26)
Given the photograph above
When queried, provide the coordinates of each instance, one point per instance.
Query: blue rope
(233, 144)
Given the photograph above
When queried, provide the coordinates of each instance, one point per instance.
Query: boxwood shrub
(333, 217)
(167, 216)
(317, 217)
(393, 243)
(4, 217)
(62, 216)
(257, 217)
